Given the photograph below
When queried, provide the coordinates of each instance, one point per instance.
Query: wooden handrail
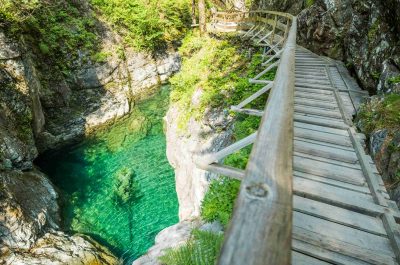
(260, 232)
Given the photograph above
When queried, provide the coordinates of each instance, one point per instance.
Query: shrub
(203, 248)
(146, 25)
(219, 200)
(379, 114)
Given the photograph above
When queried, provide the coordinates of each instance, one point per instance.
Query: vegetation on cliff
(214, 75)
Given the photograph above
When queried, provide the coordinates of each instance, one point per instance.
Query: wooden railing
(260, 230)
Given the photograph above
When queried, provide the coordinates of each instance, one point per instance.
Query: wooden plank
(336, 183)
(315, 103)
(215, 157)
(301, 259)
(332, 144)
(349, 241)
(263, 208)
(339, 197)
(225, 170)
(316, 111)
(314, 91)
(347, 175)
(319, 81)
(253, 112)
(339, 215)
(330, 161)
(323, 129)
(325, 151)
(253, 97)
(322, 136)
(326, 254)
(314, 96)
(320, 121)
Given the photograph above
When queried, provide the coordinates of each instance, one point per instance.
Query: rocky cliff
(208, 135)
(29, 222)
(41, 110)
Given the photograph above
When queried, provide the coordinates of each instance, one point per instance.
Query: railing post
(273, 29)
(260, 232)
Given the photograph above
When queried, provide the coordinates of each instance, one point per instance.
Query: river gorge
(87, 178)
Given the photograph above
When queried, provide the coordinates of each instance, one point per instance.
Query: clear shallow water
(96, 200)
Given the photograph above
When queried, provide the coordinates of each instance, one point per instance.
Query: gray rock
(209, 135)
(28, 207)
(389, 72)
(9, 49)
(57, 248)
(215, 227)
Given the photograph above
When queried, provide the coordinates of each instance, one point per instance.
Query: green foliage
(219, 200)
(146, 24)
(382, 114)
(309, 3)
(100, 57)
(44, 48)
(125, 187)
(373, 30)
(201, 249)
(395, 79)
(12, 11)
(214, 74)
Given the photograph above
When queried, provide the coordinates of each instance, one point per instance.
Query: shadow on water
(118, 186)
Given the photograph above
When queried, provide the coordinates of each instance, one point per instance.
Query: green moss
(309, 2)
(100, 57)
(373, 30)
(375, 75)
(380, 115)
(394, 80)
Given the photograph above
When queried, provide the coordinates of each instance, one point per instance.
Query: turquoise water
(118, 186)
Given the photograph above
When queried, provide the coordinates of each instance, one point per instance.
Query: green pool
(117, 186)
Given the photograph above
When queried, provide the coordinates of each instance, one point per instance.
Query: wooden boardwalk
(340, 205)
(326, 205)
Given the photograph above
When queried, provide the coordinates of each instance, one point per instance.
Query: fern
(201, 249)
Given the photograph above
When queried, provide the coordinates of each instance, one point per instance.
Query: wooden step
(346, 240)
(320, 121)
(318, 111)
(316, 103)
(322, 136)
(325, 151)
(306, 95)
(310, 166)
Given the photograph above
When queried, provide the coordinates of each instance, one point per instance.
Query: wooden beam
(252, 97)
(261, 228)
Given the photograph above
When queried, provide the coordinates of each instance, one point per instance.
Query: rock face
(28, 222)
(206, 136)
(17, 112)
(39, 112)
(362, 33)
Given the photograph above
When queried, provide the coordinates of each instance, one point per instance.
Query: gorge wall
(41, 110)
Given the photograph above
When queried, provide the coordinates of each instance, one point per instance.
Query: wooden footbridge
(309, 194)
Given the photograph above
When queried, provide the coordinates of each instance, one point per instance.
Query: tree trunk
(194, 20)
(202, 17)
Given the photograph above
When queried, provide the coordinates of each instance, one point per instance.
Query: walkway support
(261, 225)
